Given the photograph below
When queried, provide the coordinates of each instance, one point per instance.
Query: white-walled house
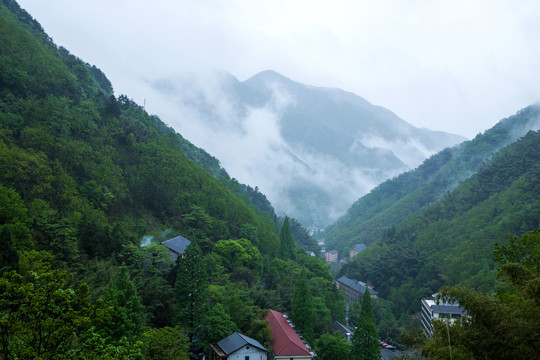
(239, 347)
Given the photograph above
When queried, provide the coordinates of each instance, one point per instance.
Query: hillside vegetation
(395, 199)
(85, 176)
(451, 241)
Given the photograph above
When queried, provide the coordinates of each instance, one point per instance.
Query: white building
(431, 310)
(239, 347)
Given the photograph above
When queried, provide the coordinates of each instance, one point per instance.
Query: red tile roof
(285, 341)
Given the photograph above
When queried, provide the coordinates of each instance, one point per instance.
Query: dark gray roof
(237, 341)
(356, 285)
(448, 309)
(177, 244)
(359, 247)
(337, 326)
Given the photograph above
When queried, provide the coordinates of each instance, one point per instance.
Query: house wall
(253, 353)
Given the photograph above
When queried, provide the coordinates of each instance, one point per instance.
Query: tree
(332, 346)
(191, 288)
(504, 326)
(215, 325)
(365, 341)
(128, 316)
(41, 317)
(302, 308)
(286, 247)
(166, 344)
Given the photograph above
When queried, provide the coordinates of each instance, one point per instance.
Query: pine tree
(365, 341)
(128, 317)
(191, 289)
(286, 247)
(302, 308)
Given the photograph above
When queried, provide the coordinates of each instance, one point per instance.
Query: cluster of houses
(332, 256)
(287, 343)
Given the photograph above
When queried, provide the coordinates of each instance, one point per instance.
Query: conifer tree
(365, 341)
(191, 289)
(302, 308)
(286, 247)
(128, 316)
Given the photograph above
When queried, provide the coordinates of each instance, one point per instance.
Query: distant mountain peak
(311, 150)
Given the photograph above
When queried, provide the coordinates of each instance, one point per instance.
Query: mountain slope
(95, 162)
(394, 200)
(310, 150)
(451, 241)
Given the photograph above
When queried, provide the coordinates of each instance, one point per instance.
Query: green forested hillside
(395, 199)
(84, 176)
(451, 241)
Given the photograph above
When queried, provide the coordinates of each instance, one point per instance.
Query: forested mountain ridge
(84, 176)
(451, 241)
(316, 148)
(395, 199)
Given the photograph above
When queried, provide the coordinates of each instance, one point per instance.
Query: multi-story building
(331, 256)
(431, 310)
(354, 289)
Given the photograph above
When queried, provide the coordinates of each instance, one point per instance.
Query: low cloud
(247, 139)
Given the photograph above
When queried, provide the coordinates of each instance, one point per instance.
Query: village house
(286, 341)
(177, 246)
(354, 289)
(342, 330)
(356, 250)
(239, 347)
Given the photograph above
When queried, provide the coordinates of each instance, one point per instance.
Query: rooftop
(286, 341)
(177, 244)
(235, 342)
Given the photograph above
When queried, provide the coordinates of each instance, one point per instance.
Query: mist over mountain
(313, 151)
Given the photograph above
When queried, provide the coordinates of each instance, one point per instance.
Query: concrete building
(354, 289)
(430, 311)
(331, 256)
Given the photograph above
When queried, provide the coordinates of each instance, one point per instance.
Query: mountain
(311, 150)
(86, 176)
(451, 241)
(407, 194)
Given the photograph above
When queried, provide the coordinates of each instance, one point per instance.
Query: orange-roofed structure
(286, 342)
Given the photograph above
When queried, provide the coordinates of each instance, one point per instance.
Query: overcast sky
(456, 66)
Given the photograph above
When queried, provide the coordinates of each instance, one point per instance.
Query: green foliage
(85, 174)
(365, 341)
(216, 324)
(128, 317)
(190, 288)
(42, 317)
(240, 253)
(504, 326)
(409, 193)
(450, 242)
(286, 240)
(332, 346)
(302, 308)
(166, 344)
